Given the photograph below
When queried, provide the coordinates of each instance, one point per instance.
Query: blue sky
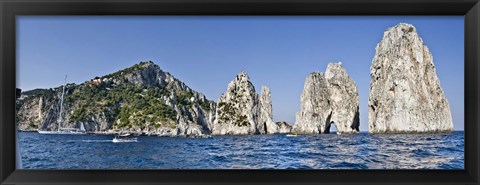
(206, 52)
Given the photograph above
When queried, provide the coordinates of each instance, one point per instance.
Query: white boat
(292, 135)
(124, 139)
(63, 130)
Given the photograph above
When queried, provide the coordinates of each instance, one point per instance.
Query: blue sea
(327, 151)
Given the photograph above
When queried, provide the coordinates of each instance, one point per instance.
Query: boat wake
(97, 141)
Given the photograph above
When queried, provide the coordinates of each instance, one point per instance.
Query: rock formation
(266, 116)
(241, 111)
(328, 98)
(405, 93)
(141, 99)
(283, 127)
(237, 109)
(33, 110)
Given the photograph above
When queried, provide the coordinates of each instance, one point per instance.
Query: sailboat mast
(61, 103)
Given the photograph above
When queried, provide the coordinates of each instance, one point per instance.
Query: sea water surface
(326, 151)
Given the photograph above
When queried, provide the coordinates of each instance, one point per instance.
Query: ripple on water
(360, 151)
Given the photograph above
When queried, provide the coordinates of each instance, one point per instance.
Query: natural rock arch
(329, 96)
(329, 126)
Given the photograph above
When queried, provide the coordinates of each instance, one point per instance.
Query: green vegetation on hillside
(142, 102)
(122, 103)
(45, 93)
(127, 70)
(227, 112)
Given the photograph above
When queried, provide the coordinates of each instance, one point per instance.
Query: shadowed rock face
(32, 113)
(405, 93)
(241, 111)
(327, 98)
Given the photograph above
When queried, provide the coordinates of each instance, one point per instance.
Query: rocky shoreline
(405, 97)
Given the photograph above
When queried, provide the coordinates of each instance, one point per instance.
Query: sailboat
(63, 130)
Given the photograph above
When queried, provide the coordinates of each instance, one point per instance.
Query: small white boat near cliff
(124, 139)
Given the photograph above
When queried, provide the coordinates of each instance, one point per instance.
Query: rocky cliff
(328, 98)
(241, 111)
(405, 93)
(141, 99)
(266, 116)
(32, 108)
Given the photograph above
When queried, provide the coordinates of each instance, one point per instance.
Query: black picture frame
(11, 8)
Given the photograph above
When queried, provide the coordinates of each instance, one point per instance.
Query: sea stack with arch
(405, 93)
(328, 98)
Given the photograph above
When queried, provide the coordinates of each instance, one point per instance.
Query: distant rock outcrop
(241, 111)
(328, 98)
(405, 93)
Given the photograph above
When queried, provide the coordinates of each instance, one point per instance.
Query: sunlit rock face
(241, 111)
(405, 93)
(237, 108)
(152, 101)
(328, 98)
(266, 116)
(343, 99)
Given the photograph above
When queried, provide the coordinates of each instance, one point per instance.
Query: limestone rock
(266, 116)
(185, 112)
(237, 109)
(344, 99)
(405, 93)
(327, 98)
(241, 111)
(32, 113)
(315, 106)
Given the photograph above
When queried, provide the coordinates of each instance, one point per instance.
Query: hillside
(141, 99)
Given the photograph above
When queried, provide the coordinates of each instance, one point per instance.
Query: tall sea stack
(328, 98)
(241, 111)
(405, 93)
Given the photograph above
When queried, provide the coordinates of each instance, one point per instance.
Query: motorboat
(125, 138)
(292, 135)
